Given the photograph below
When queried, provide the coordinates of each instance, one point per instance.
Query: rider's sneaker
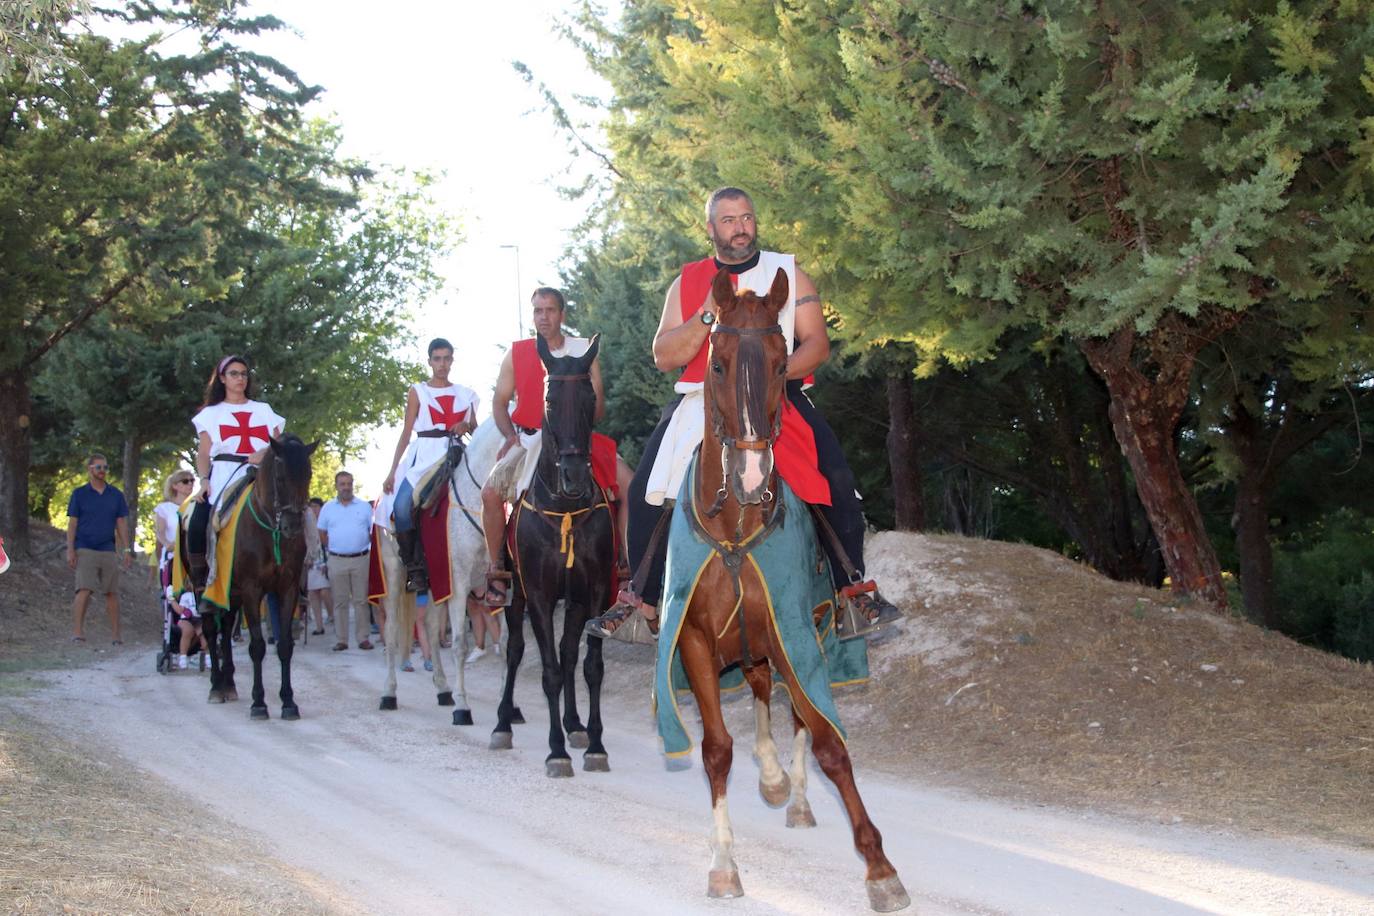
(863, 610)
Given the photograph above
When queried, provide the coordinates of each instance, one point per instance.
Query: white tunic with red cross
(235, 429)
(440, 408)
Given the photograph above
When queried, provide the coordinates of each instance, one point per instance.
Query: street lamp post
(519, 304)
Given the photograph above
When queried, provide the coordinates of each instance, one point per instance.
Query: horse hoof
(578, 740)
(776, 795)
(258, 712)
(800, 816)
(231, 695)
(596, 763)
(887, 895)
(290, 713)
(446, 699)
(216, 696)
(517, 717)
(462, 717)
(724, 884)
(558, 768)
(500, 741)
(387, 703)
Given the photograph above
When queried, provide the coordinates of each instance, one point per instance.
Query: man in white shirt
(345, 525)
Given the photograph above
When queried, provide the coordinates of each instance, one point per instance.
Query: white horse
(468, 559)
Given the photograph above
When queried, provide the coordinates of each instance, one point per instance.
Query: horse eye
(717, 368)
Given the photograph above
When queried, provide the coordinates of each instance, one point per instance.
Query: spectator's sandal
(863, 610)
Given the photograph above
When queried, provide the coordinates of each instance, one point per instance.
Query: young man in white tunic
(435, 408)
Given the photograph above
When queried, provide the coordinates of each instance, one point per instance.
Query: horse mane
(294, 454)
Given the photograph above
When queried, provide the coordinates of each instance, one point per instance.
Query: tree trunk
(903, 456)
(15, 450)
(1144, 413)
(1251, 523)
(132, 462)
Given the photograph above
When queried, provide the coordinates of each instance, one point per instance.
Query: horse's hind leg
(773, 783)
(286, 647)
(595, 760)
(885, 890)
(434, 630)
(226, 660)
(567, 663)
(717, 753)
(799, 810)
(515, 651)
(392, 644)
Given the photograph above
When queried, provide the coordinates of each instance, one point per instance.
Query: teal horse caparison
(797, 584)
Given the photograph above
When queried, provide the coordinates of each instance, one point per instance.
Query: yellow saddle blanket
(217, 591)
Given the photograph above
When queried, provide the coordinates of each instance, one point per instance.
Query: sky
(430, 85)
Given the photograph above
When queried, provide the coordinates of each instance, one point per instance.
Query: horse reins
(274, 529)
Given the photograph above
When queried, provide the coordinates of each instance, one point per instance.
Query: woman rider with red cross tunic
(232, 432)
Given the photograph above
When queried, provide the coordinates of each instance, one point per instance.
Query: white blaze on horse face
(753, 475)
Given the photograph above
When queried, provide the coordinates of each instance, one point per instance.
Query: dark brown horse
(269, 552)
(729, 618)
(564, 549)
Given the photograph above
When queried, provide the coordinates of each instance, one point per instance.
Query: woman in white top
(178, 486)
(233, 432)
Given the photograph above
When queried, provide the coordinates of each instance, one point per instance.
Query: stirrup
(624, 622)
(498, 583)
(863, 610)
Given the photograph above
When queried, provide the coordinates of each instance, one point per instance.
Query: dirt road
(402, 812)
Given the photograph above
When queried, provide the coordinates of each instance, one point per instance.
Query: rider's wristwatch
(707, 318)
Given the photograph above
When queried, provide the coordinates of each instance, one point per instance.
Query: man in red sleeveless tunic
(807, 454)
(522, 377)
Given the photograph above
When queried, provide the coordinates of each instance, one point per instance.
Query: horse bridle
(570, 451)
(279, 510)
(718, 420)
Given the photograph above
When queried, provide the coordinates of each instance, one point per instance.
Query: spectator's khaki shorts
(97, 571)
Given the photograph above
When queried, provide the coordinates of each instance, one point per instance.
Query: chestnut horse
(269, 552)
(731, 506)
(564, 549)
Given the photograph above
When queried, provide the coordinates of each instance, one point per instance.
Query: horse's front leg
(209, 624)
(435, 617)
(257, 649)
(574, 617)
(286, 647)
(507, 713)
(717, 754)
(392, 644)
(799, 810)
(558, 764)
(596, 759)
(773, 783)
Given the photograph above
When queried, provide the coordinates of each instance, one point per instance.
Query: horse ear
(310, 449)
(722, 290)
(592, 349)
(274, 443)
(542, 346)
(777, 295)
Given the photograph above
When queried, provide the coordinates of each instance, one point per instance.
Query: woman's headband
(224, 363)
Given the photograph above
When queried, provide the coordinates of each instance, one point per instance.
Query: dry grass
(1030, 676)
(87, 833)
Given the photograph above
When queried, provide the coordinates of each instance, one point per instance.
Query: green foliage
(1324, 587)
(30, 34)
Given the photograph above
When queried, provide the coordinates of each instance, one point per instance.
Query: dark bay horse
(269, 552)
(735, 505)
(563, 548)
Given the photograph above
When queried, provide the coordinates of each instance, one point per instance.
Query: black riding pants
(195, 530)
(845, 512)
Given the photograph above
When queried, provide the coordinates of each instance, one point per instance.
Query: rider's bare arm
(500, 403)
(597, 387)
(677, 341)
(813, 343)
(412, 411)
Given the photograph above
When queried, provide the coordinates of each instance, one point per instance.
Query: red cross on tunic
(445, 416)
(243, 432)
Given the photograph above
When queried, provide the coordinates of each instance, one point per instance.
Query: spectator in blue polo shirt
(97, 524)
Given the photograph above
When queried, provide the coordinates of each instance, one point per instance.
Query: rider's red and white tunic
(440, 409)
(235, 430)
(794, 453)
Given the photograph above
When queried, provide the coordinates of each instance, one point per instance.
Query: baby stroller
(172, 611)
